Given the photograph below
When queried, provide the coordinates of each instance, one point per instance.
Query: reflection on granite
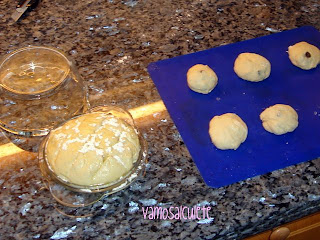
(112, 42)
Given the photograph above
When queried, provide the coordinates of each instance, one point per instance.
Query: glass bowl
(40, 87)
(73, 195)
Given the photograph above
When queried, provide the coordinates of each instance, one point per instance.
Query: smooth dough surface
(201, 78)
(304, 55)
(252, 67)
(96, 148)
(227, 131)
(279, 119)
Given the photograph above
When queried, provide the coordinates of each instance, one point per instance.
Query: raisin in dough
(227, 131)
(304, 55)
(252, 67)
(95, 148)
(201, 78)
(279, 119)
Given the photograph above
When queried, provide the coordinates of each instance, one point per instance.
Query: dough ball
(304, 55)
(252, 67)
(201, 78)
(227, 131)
(279, 119)
(95, 148)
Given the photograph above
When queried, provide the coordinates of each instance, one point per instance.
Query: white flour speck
(108, 150)
(117, 133)
(107, 142)
(76, 127)
(111, 121)
(90, 146)
(60, 135)
(119, 147)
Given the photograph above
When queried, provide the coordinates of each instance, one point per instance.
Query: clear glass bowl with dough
(73, 194)
(40, 87)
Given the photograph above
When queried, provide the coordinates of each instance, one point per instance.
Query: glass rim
(33, 132)
(8, 56)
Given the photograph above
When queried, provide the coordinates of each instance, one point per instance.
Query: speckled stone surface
(112, 42)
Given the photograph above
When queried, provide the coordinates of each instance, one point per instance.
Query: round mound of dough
(227, 131)
(202, 79)
(252, 67)
(95, 148)
(279, 119)
(304, 55)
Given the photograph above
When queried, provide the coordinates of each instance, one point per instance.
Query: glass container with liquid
(39, 89)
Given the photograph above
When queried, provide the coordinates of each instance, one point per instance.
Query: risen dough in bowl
(252, 67)
(279, 119)
(227, 131)
(95, 148)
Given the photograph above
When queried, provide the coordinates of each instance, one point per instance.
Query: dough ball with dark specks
(304, 55)
(252, 67)
(279, 119)
(202, 79)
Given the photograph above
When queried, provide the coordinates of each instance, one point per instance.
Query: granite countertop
(112, 42)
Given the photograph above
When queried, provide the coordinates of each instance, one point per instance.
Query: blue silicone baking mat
(262, 152)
